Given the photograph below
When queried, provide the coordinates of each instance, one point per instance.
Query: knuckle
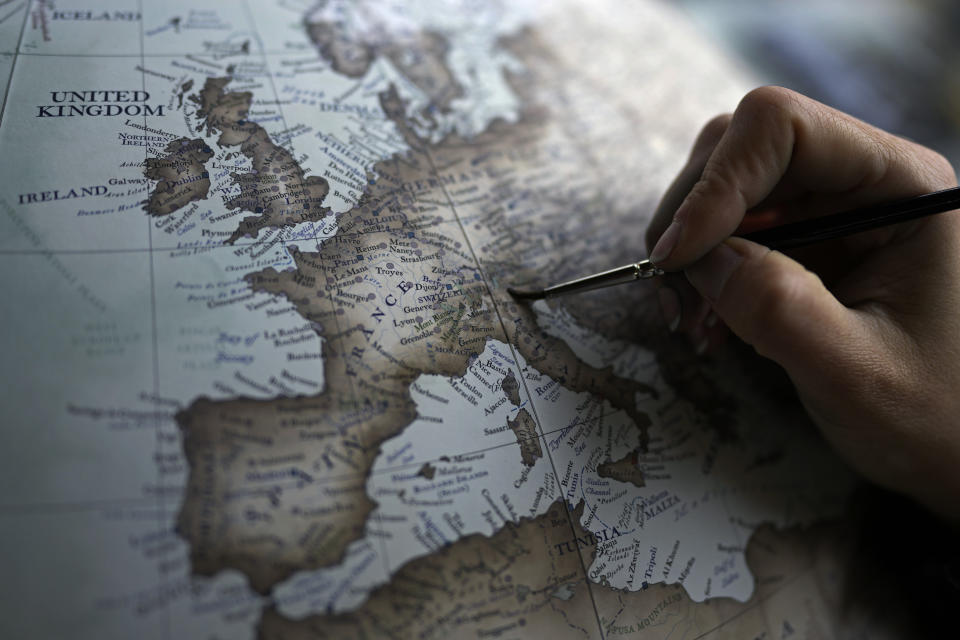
(718, 179)
(777, 300)
(876, 165)
(691, 210)
(769, 102)
(712, 132)
(927, 168)
(941, 169)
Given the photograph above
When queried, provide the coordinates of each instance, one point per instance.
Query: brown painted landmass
(609, 131)
(524, 427)
(369, 364)
(528, 579)
(506, 585)
(278, 486)
(349, 56)
(396, 293)
(181, 176)
(275, 190)
(511, 388)
(427, 471)
(623, 470)
(525, 430)
(421, 56)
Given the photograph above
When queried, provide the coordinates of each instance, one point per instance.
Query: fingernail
(709, 274)
(670, 307)
(711, 320)
(665, 244)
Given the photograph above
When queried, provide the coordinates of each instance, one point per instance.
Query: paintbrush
(794, 234)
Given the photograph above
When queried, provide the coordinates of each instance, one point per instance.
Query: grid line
(523, 381)
(758, 603)
(13, 66)
(164, 525)
(597, 168)
(164, 249)
(316, 237)
(361, 431)
(99, 504)
(195, 54)
(160, 499)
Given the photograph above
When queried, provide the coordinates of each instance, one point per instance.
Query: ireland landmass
(275, 189)
(181, 176)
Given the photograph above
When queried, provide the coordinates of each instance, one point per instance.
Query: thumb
(780, 308)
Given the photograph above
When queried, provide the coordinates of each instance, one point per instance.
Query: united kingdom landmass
(413, 283)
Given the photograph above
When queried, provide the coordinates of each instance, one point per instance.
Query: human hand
(868, 326)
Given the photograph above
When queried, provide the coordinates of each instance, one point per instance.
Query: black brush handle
(845, 223)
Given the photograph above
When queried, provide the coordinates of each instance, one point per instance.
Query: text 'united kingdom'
(99, 102)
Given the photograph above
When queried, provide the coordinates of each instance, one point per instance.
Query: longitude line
(16, 57)
(369, 475)
(597, 169)
(158, 445)
(503, 327)
(353, 391)
(756, 604)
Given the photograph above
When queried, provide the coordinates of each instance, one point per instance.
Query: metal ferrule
(627, 273)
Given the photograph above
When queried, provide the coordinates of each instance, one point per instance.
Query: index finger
(778, 136)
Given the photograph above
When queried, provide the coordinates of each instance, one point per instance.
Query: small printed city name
(96, 15)
(99, 102)
(56, 194)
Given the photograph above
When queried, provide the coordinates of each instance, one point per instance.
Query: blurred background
(892, 63)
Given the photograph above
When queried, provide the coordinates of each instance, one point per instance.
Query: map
(261, 375)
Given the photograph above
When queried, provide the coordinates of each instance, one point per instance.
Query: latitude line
(536, 417)
(198, 54)
(199, 249)
(154, 310)
(135, 501)
(4, 4)
(16, 56)
(73, 506)
(153, 300)
(277, 239)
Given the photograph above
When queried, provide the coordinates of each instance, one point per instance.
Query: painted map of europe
(268, 382)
